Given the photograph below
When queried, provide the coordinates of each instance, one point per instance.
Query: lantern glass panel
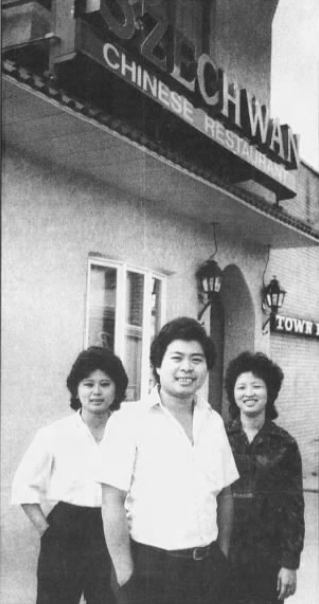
(212, 284)
(275, 299)
(205, 285)
(281, 299)
(269, 300)
(218, 283)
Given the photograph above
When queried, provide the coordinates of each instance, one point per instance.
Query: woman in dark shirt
(268, 529)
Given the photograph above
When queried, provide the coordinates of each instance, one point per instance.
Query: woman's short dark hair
(182, 328)
(88, 361)
(261, 366)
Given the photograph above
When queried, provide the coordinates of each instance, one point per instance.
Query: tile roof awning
(54, 127)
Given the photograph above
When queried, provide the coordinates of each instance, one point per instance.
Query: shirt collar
(235, 426)
(81, 424)
(78, 417)
(154, 400)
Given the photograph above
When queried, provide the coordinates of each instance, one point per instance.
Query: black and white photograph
(160, 302)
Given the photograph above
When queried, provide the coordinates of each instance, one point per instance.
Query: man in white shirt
(165, 469)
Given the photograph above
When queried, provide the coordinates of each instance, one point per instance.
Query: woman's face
(96, 392)
(250, 393)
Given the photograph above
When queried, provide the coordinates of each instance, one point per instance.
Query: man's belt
(192, 553)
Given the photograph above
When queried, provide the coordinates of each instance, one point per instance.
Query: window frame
(122, 268)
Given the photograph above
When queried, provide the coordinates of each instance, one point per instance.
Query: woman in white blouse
(58, 468)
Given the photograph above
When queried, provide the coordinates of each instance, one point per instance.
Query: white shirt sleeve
(33, 474)
(117, 453)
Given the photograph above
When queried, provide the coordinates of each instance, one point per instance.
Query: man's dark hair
(261, 366)
(88, 361)
(182, 328)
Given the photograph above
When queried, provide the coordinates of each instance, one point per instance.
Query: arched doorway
(232, 328)
(239, 319)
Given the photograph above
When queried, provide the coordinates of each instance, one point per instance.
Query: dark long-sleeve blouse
(268, 498)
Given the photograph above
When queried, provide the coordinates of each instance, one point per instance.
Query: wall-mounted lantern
(273, 299)
(209, 279)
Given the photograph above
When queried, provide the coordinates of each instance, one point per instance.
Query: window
(124, 312)
(133, 342)
(103, 284)
(194, 19)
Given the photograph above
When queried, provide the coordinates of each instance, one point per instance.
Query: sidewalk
(308, 574)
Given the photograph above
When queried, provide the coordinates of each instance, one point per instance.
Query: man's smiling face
(183, 370)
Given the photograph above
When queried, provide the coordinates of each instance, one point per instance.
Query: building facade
(138, 143)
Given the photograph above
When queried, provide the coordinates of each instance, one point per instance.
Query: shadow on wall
(239, 318)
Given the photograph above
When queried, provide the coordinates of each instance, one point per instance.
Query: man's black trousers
(162, 578)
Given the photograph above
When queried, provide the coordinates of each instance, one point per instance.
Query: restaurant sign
(161, 63)
(295, 326)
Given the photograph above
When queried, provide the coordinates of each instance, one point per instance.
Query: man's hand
(123, 573)
(286, 583)
(119, 582)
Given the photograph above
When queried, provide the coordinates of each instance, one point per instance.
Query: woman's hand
(37, 517)
(286, 583)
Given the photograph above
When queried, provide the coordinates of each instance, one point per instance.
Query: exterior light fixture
(273, 299)
(209, 279)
